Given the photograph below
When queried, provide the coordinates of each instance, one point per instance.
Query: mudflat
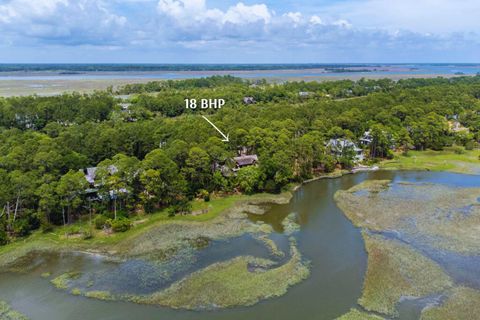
(51, 85)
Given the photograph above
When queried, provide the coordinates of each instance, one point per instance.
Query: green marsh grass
(103, 243)
(395, 270)
(354, 314)
(241, 281)
(463, 303)
(446, 160)
(7, 313)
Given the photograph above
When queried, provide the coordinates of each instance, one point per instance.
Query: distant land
(73, 69)
(52, 79)
(174, 67)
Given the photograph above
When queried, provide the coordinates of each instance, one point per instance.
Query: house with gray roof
(339, 146)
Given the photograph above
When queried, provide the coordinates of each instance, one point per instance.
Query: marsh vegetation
(422, 241)
(174, 263)
(133, 199)
(7, 313)
(241, 281)
(112, 156)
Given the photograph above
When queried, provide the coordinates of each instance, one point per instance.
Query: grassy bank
(103, 242)
(446, 160)
(168, 244)
(417, 160)
(240, 281)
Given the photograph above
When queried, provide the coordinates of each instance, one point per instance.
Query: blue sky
(248, 31)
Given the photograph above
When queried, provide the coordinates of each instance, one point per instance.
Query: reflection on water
(334, 247)
(142, 276)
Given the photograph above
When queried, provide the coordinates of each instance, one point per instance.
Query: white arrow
(225, 137)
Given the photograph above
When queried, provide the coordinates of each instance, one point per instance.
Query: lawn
(446, 160)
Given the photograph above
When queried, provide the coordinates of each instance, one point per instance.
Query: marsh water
(88, 72)
(327, 239)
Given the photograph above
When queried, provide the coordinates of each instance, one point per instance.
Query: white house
(366, 139)
(337, 147)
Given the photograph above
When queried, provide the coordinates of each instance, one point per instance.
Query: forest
(150, 152)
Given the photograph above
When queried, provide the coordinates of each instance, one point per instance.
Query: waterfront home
(92, 191)
(456, 126)
(366, 139)
(91, 174)
(245, 161)
(339, 146)
(230, 166)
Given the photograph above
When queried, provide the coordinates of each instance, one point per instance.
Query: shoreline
(225, 214)
(223, 205)
(232, 201)
(110, 245)
(56, 85)
(165, 241)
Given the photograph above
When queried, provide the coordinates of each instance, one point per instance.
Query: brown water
(333, 246)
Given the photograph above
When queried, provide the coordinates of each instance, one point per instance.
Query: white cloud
(435, 16)
(193, 20)
(68, 21)
(243, 14)
(191, 12)
(351, 27)
(342, 23)
(316, 20)
(295, 17)
(184, 9)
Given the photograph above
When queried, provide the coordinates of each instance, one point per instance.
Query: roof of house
(246, 160)
(91, 173)
(340, 144)
(367, 137)
(456, 126)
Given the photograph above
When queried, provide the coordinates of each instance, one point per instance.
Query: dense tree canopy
(163, 153)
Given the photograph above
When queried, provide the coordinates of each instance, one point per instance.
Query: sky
(231, 31)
